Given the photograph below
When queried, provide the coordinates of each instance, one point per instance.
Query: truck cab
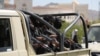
(15, 36)
(93, 39)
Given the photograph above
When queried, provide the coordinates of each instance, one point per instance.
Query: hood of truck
(93, 46)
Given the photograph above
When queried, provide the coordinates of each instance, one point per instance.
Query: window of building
(5, 35)
(24, 6)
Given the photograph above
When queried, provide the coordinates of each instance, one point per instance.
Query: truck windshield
(94, 34)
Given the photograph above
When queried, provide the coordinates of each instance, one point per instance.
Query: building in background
(6, 1)
(23, 4)
(53, 8)
(7, 5)
(50, 8)
(19, 5)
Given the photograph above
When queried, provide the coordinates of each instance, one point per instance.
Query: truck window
(94, 34)
(5, 35)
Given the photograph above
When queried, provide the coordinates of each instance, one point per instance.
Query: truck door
(9, 40)
(6, 43)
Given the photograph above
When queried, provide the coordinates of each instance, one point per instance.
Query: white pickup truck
(94, 39)
(15, 37)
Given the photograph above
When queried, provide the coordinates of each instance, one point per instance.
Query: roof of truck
(97, 24)
(8, 13)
